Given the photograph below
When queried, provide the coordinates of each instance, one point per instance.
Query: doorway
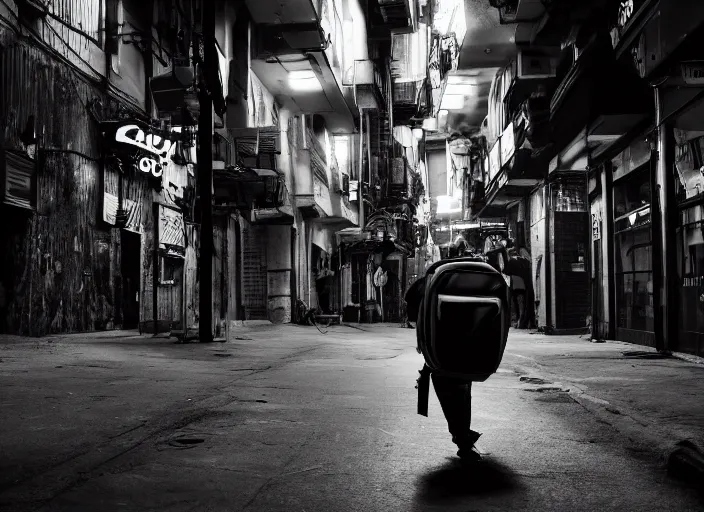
(598, 324)
(130, 252)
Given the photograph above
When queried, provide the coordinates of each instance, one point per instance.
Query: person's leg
(455, 398)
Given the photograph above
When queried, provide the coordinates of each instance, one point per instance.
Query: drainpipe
(205, 183)
(663, 233)
(360, 174)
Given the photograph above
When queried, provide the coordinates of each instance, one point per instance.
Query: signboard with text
(153, 149)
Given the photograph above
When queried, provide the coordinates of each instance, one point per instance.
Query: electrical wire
(80, 57)
(74, 29)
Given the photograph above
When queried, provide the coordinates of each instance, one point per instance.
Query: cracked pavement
(288, 418)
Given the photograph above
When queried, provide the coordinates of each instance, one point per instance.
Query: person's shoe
(469, 454)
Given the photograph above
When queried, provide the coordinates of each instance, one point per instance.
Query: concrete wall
(538, 246)
(279, 267)
(602, 308)
(437, 175)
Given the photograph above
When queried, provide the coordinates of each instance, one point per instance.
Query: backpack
(463, 318)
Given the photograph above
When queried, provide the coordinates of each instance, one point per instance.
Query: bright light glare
(448, 204)
(459, 89)
(303, 80)
(452, 102)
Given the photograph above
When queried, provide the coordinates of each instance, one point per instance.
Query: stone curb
(678, 451)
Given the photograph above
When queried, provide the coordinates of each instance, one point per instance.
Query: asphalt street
(286, 418)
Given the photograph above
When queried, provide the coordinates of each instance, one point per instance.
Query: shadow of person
(454, 480)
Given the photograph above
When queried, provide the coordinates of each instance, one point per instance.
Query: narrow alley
(289, 418)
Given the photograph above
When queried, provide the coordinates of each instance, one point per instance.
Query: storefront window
(691, 269)
(633, 244)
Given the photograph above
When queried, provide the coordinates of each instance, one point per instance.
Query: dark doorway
(130, 250)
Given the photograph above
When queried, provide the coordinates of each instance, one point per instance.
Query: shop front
(147, 183)
(688, 181)
(632, 226)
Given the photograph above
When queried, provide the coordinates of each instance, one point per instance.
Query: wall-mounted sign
(133, 135)
(596, 227)
(693, 72)
(508, 144)
(155, 151)
(171, 227)
(494, 161)
(18, 173)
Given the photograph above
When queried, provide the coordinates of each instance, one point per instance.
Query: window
(634, 271)
(690, 256)
(170, 270)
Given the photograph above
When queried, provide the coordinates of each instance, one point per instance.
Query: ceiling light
(452, 102)
(303, 80)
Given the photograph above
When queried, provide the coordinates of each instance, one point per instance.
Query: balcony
(296, 64)
(245, 176)
(285, 13)
(600, 92)
(399, 16)
(512, 174)
(315, 198)
(371, 88)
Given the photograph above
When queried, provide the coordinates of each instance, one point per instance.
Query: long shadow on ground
(454, 482)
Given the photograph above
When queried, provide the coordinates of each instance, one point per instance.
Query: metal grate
(254, 276)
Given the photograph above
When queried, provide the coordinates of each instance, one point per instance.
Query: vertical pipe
(205, 175)
(663, 238)
(155, 269)
(360, 188)
(607, 250)
(292, 278)
(369, 150)
(547, 202)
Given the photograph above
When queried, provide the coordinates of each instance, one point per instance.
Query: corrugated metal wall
(59, 273)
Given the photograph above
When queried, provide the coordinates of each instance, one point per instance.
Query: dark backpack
(463, 318)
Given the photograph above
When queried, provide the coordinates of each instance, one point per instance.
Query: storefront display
(569, 241)
(689, 191)
(635, 316)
